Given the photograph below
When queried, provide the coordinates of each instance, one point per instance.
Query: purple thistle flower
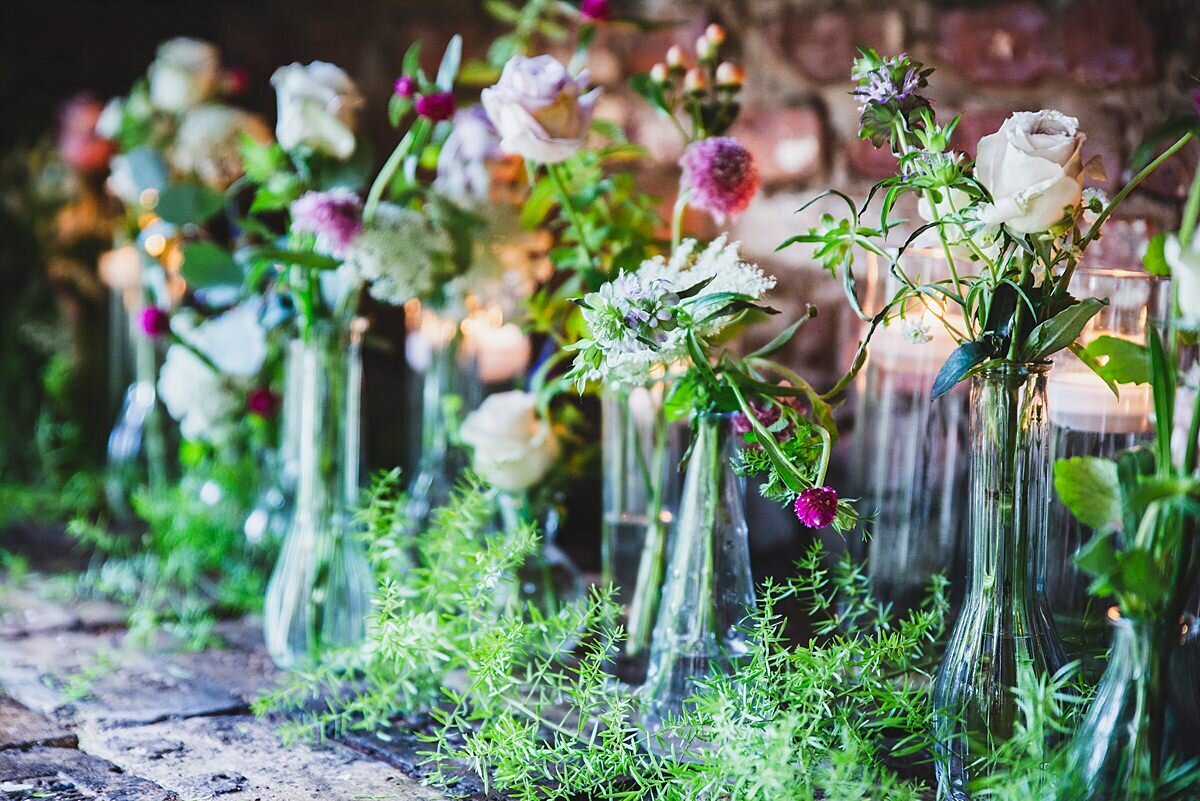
(334, 217)
(720, 176)
(437, 106)
(817, 507)
(154, 322)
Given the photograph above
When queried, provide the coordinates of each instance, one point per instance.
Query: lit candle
(501, 350)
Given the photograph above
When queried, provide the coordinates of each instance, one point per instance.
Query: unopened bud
(730, 75)
(675, 58)
(715, 34)
(705, 49)
(695, 81)
(660, 73)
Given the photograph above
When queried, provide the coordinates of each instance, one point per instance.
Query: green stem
(1191, 210)
(564, 199)
(413, 140)
(648, 584)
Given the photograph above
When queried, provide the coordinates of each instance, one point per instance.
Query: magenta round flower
(817, 507)
(406, 86)
(595, 10)
(334, 217)
(154, 322)
(720, 175)
(262, 402)
(437, 106)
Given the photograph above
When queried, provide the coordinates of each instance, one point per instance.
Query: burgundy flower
(236, 80)
(595, 10)
(817, 507)
(437, 106)
(406, 86)
(154, 322)
(720, 175)
(262, 402)
(767, 414)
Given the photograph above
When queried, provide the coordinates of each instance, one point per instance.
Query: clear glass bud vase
(1117, 751)
(1004, 624)
(548, 579)
(320, 592)
(641, 453)
(709, 591)
(447, 388)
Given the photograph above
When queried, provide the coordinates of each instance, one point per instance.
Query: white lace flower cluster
(400, 254)
(639, 322)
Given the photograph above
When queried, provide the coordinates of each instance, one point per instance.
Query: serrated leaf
(1055, 334)
(206, 264)
(1089, 488)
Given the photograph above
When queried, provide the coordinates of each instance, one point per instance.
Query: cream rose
(185, 73)
(208, 144)
(318, 108)
(539, 109)
(513, 447)
(1033, 169)
(1185, 273)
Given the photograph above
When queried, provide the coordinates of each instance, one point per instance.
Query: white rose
(318, 108)
(1185, 274)
(1033, 169)
(539, 109)
(206, 402)
(513, 448)
(185, 73)
(208, 143)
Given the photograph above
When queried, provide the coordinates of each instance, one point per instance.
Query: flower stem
(564, 199)
(413, 140)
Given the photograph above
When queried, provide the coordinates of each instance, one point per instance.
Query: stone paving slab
(26, 609)
(67, 774)
(20, 727)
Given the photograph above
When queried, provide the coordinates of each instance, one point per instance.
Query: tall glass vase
(1004, 624)
(709, 591)
(319, 594)
(641, 453)
(447, 387)
(1117, 752)
(548, 579)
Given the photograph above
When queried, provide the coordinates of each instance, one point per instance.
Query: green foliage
(1088, 486)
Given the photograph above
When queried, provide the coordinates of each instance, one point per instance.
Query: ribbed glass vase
(641, 453)
(708, 593)
(319, 595)
(1004, 624)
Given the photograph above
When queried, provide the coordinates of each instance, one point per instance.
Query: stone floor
(84, 716)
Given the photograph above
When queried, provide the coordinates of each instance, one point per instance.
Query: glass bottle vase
(548, 579)
(319, 595)
(447, 388)
(1004, 625)
(708, 593)
(1117, 751)
(641, 453)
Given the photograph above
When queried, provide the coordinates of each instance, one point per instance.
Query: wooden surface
(85, 716)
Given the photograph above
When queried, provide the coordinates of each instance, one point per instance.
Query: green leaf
(784, 336)
(1119, 360)
(301, 258)
(1051, 336)
(398, 106)
(181, 204)
(261, 160)
(412, 59)
(1098, 558)
(1155, 260)
(965, 357)
(1089, 488)
(206, 264)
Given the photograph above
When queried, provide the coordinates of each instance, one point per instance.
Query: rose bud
(730, 75)
(705, 49)
(676, 59)
(715, 34)
(695, 81)
(660, 73)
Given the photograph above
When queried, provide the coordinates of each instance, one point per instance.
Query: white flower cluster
(638, 323)
(400, 254)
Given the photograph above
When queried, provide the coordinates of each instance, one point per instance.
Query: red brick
(824, 45)
(869, 161)
(1009, 44)
(1114, 46)
(787, 143)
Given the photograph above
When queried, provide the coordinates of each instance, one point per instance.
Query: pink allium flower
(437, 106)
(595, 10)
(154, 322)
(334, 217)
(262, 402)
(406, 86)
(720, 175)
(817, 507)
